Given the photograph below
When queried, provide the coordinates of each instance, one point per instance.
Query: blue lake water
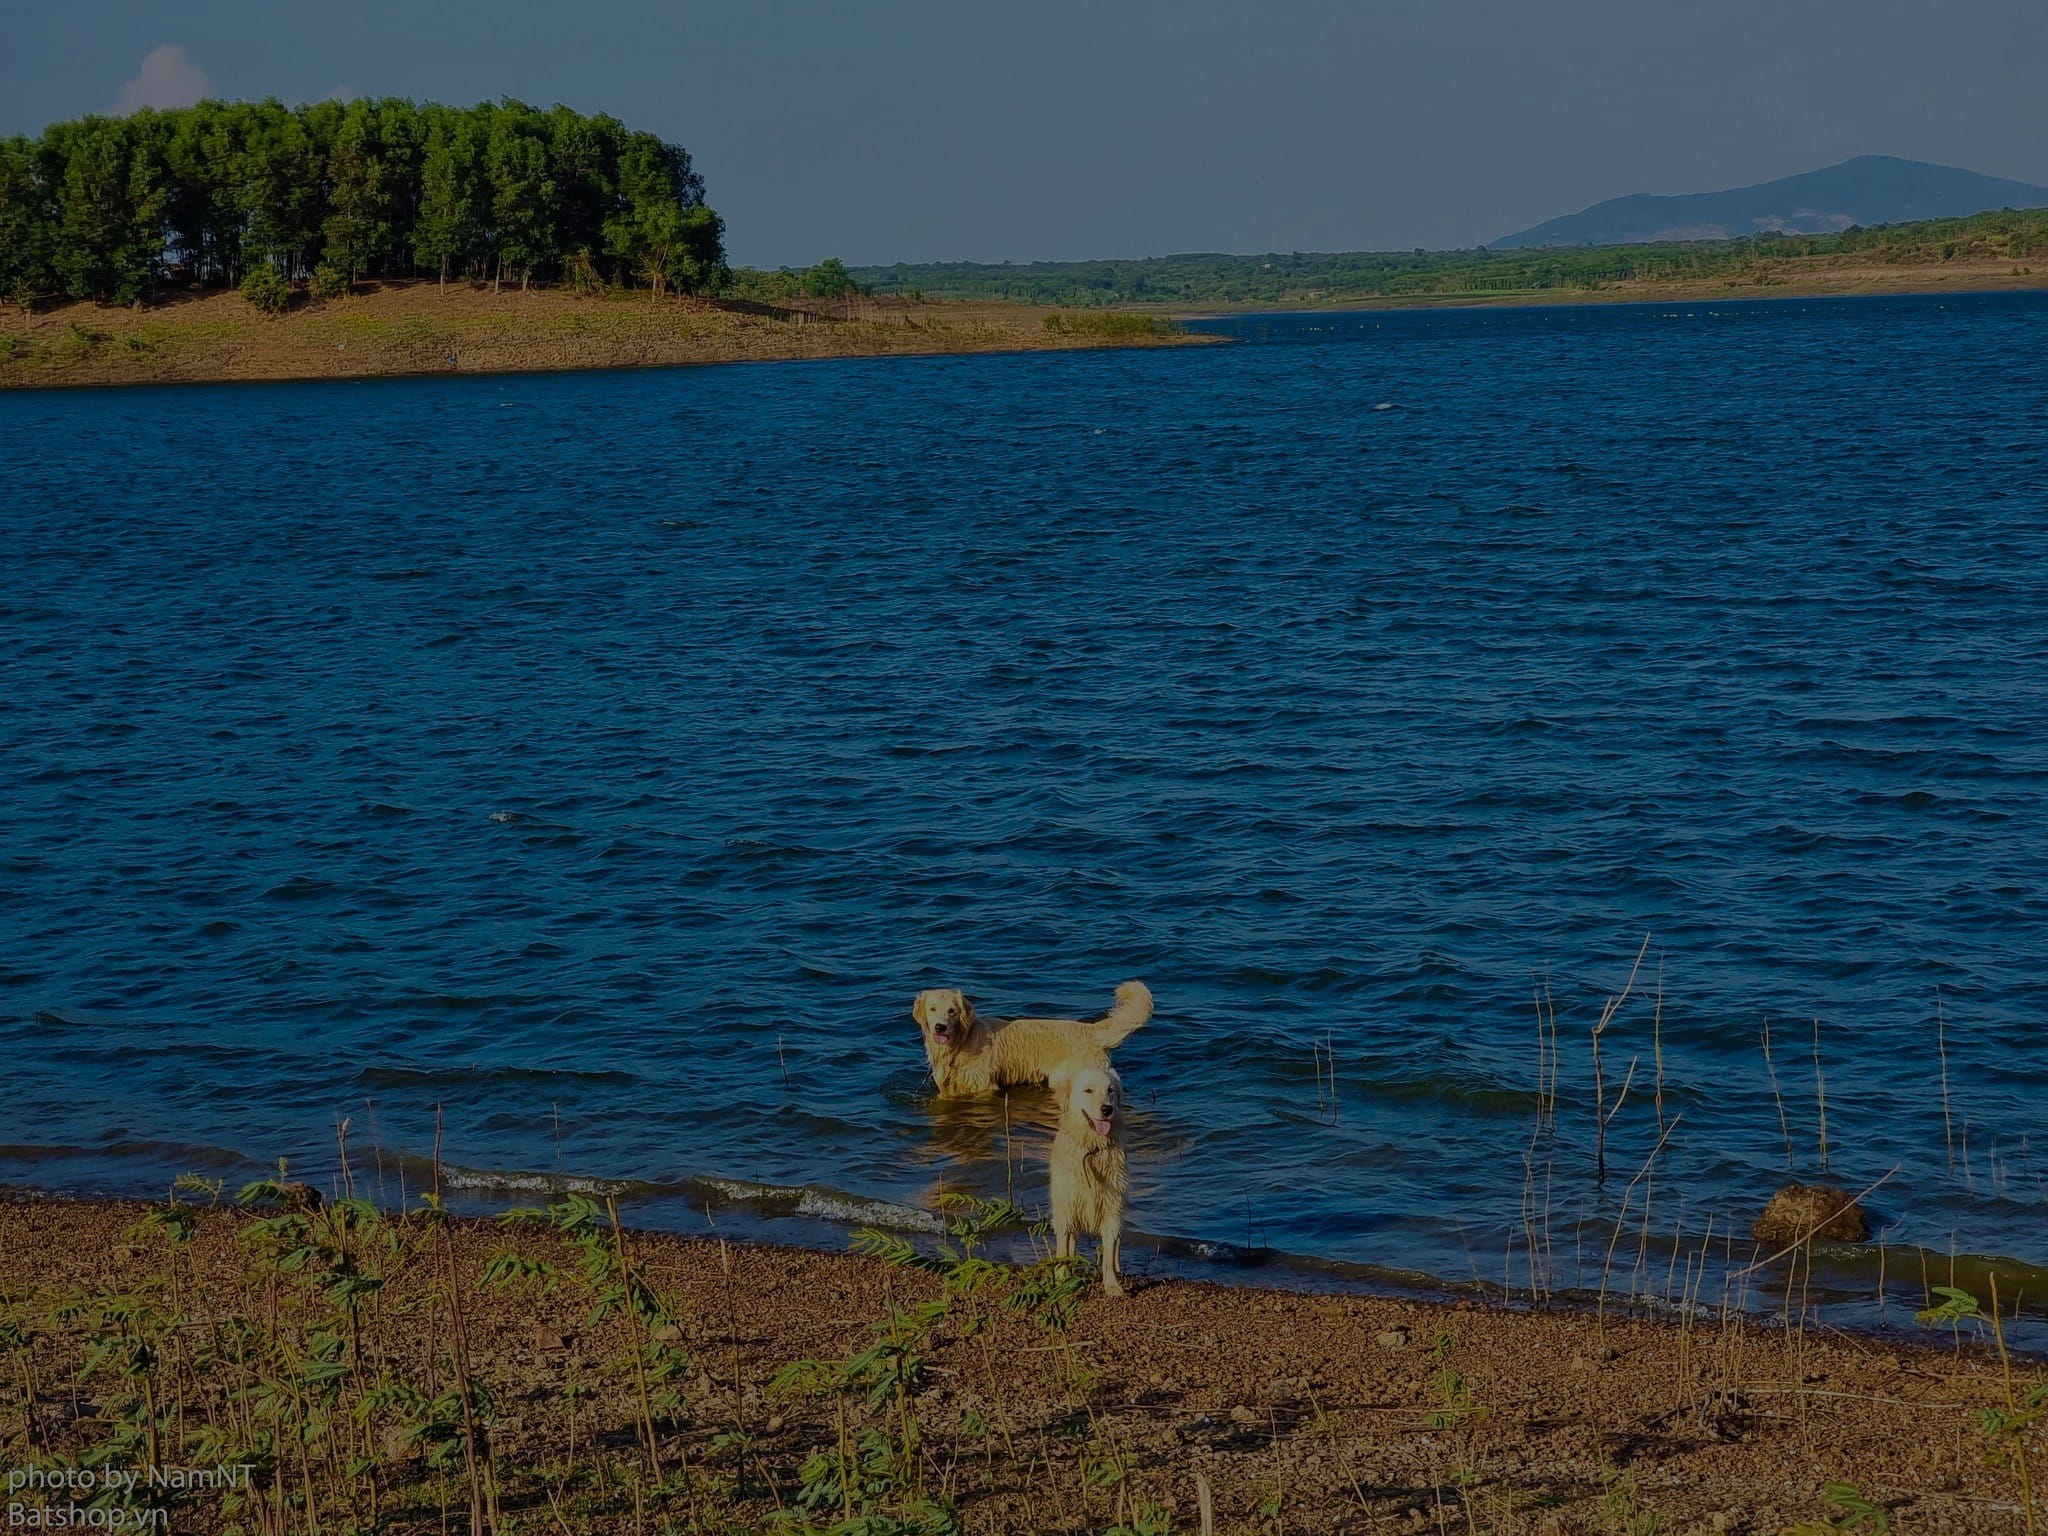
(606, 759)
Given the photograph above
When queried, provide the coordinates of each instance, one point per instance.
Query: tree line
(1276, 277)
(233, 193)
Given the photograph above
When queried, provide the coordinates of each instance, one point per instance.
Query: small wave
(521, 819)
(75, 1020)
(823, 1203)
(817, 1201)
(1443, 1088)
(755, 845)
(467, 1077)
(522, 1182)
(181, 1155)
(301, 888)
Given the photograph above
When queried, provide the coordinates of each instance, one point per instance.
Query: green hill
(1870, 189)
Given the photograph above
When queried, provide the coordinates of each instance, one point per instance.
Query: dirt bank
(388, 1373)
(413, 328)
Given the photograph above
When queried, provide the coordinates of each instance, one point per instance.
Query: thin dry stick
(1600, 1115)
(611, 1207)
(458, 1356)
(348, 1176)
(1784, 1125)
(2012, 1407)
(1009, 1177)
(1657, 1042)
(1621, 1219)
(1948, 1124)
(1627, 1083)
(1814, 1226)
(1529, 1162)
(1556, 1053)
(1820, 1095)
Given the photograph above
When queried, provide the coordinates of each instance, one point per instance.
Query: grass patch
(1110, 325)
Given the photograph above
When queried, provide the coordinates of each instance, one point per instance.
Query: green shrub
(580, 274)
(828, 280)
(1109, 325)
(328, 282)
(268, 289)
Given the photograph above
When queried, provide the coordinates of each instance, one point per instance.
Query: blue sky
(922, 130)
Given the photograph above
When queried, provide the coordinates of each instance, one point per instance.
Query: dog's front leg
(1112, 1245)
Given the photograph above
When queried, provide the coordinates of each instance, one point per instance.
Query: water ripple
(605, 787)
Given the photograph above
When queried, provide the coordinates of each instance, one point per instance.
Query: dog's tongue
(1102, 1127)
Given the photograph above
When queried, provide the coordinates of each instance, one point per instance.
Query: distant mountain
(1871, 189)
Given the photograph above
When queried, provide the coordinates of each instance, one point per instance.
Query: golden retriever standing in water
(1089, 1171)
(973, 1055)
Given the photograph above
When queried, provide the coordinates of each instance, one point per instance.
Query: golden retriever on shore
(1089, 1170)
(973, 1055)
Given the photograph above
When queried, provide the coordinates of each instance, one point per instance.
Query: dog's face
(945, 1016)
(1096, 1094)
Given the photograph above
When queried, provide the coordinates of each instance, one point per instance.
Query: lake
(595, 764)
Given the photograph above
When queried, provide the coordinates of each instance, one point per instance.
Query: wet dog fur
(972, 1055)
(1089, 1170)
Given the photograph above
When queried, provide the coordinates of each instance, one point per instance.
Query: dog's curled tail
(1133, 1008)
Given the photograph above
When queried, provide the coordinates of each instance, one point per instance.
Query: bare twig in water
(1820, 1096)
(1807, 1235)
(1948, 1124)
(1627, 1082)
(1657, 1043)
(1777, 1096)
(1607, 1013)
(1621, 1217)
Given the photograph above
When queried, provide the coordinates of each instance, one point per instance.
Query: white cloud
(168, 78)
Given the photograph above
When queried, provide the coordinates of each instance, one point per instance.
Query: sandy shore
(331, 1351)
(415, 328)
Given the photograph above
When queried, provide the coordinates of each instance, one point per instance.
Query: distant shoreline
(392, 329)
(1842, 283)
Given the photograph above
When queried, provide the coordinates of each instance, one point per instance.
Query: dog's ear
(967, 1016)
(1060, 1078)
(917, 1010)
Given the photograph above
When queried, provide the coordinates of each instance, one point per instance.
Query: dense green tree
(355, 230)
(828, 279)
(108, 241)
(107, 208)
(660, 227)
(282, 191)
(27, 221)
(524, 205)
(449, 231)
